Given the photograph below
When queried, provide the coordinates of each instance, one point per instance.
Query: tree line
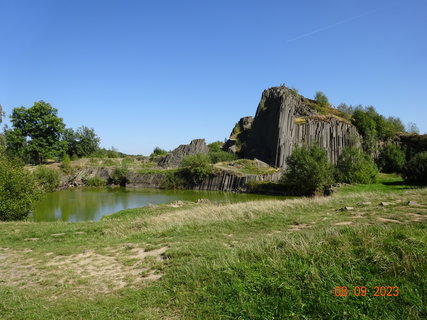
(38, 134)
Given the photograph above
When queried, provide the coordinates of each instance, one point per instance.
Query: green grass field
(270, 259)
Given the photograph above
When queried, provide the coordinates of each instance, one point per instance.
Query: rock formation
(283, 120)
(174, 159)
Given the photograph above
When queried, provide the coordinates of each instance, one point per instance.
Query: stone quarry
(285, 119)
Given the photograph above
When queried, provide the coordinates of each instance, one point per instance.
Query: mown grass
(269, 259)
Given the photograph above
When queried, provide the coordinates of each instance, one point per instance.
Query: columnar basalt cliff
(283, 120)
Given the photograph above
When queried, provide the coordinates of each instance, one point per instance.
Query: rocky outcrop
(284, 119)
(228, 182)
(174, 159)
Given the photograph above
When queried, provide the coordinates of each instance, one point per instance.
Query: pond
(92, 204)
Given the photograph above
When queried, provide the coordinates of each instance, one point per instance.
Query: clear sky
(160, 73)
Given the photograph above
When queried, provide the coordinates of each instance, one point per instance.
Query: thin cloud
(337, 24)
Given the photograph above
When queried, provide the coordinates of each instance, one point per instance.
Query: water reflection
(92, 204)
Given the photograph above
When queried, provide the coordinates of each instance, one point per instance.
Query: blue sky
(160, 73)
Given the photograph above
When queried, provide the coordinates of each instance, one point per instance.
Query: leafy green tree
(415, 170)
(322, 99)
(87, 141)
(36, 133)
(392, 159)
(83, 142)
(355, 166)
(309, 171)
(18, 190)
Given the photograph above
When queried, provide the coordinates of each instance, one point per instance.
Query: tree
(18, 191)
(322, 99)
(83, 142)
(36, 133)
(355, 166)
(87, 141)
(309, 171)
(1, 114)
(392, 159)
(415, 170)
(412, 128)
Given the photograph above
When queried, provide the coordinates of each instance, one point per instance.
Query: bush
(48, 179)
(173, 180)
(309, 171)
(355, 166)
(158, 152)
(415, 170)
(128, 161)
(392, 159)
(215, 146)
(109, 162)
(322, 99)
(66, 164)
(96, 181)
(18, 191)
(119, 176)
(221, 156)
(196, 168)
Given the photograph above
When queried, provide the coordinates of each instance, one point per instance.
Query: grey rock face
(174, 159)
(285, 119)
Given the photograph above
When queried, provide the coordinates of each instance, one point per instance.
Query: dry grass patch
(85, 272)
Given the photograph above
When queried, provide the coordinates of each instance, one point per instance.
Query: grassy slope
(257, 260)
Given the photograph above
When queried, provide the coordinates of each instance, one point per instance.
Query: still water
(93, 204)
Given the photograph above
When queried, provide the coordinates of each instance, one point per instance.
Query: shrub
(96, 181)
(309, 171)
(158, 152)
(196, 168)
(48, 179)
(415, 170)
(173, 180)
(221, 156)
(109, 162)
(215, 146)
(74, 157)
(119, 176)
(322, 99)
(66, 164)
(18, 191)
(355, 166)
(128, 161)
(392, 159)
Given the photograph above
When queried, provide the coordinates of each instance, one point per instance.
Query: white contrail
(336, 24)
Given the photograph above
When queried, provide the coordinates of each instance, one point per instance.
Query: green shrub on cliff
(119, 176)
(322, 99)
(158, 152)
(18, 190)
(415, 170)
(48, 179)
(355, 166)
(96, 181)
(196, 168)
(309, 171)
